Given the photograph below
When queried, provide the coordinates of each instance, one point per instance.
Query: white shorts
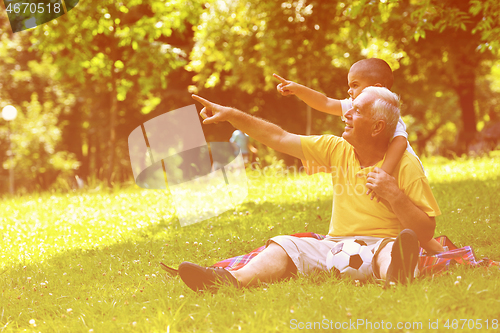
(309, 254)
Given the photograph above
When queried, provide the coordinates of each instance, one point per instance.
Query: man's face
(359, 122)
(356, 81)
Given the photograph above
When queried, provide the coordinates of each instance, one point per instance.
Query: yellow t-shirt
(353, 213)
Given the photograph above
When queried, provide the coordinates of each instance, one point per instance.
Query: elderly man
(392, 228)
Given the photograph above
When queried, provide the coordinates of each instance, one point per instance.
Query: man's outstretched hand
(212, 113)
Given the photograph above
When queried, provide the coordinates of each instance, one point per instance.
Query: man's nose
(348, 113)
(350, 92)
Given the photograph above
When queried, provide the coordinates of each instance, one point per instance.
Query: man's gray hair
(385, 107)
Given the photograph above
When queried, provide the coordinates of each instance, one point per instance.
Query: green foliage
(111, 42)
(242, 43)
(481, 17)
(35, 137)
(36, 134)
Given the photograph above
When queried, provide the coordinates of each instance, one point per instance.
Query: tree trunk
(308, 109)
(308, 120)
(465, 91)
(71, 139)
(112, 133)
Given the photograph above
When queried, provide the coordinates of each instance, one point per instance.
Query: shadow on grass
(111, 284)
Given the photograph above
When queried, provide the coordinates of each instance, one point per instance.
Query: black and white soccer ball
(351, 258)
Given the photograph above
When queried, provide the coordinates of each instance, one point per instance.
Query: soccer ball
(351, 258)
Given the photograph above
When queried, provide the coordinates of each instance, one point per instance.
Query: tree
(29, 84)
(109, 50)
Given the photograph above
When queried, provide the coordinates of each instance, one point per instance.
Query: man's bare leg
(384, 260)
(269, 265)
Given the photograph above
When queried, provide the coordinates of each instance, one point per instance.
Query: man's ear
(378, 128)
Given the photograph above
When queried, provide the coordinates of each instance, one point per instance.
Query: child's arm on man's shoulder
(394, 153)
(311, 97)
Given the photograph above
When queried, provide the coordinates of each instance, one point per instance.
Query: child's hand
(286, 87)
(381, 184)
(373, 195)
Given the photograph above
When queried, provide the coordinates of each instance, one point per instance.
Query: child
(364, 73)
(241, 141)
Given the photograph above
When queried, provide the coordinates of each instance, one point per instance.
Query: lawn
(89, 261)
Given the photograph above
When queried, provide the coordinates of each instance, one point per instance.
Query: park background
(87, 260)
(83, 82)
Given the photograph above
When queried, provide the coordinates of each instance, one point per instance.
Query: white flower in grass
(32, 323)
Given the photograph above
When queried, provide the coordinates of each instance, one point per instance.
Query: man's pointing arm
(263, 131)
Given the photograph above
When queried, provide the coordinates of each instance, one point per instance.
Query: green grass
(89, 261)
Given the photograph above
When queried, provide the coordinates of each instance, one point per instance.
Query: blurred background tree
(81, 83)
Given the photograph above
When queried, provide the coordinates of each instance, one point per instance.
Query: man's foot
(201, 278)
(404, 258)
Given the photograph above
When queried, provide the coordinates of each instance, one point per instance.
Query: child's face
(357, 82)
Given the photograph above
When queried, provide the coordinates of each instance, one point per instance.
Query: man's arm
(265, 132)
(311, 97)
(410, 216)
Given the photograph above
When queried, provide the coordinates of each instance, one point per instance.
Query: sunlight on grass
(441, 170)
(37, 227)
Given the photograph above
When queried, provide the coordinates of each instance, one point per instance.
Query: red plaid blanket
(428, 265)
(441, 262)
